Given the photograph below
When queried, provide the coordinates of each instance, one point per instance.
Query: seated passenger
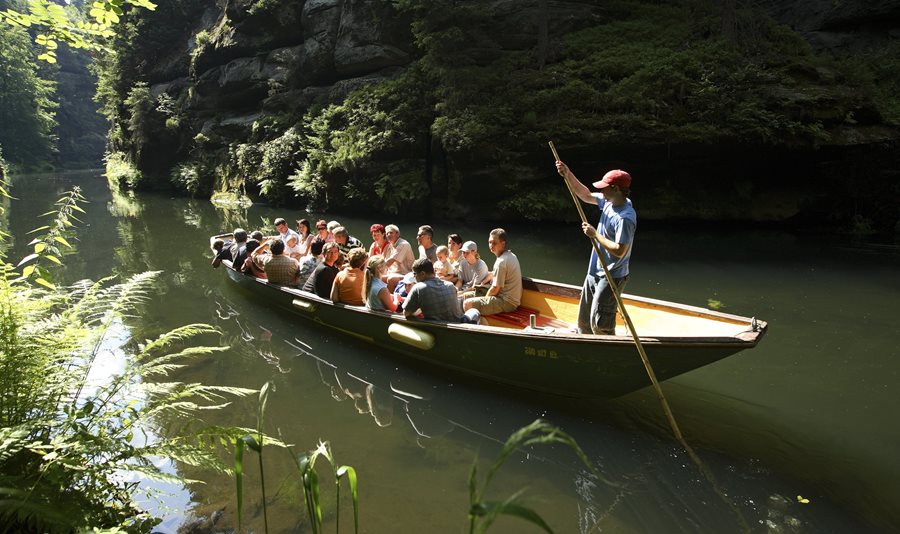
(345, 241)
(250, 267)
(309, 262)
(348, 284)
(331, 226)
(427, 247)
(322, 231)
(292, 247)
(306, 236)
(279, 268)
(322, 277)
(442, 267)
(378, 298)
(221, 251)
(435, 299)
(399, 256)
(257, 235)
(454, 244)
(505, 293)
(284, 231)
(473, 271)
(239, 248)
(379, 241)
(402, 289)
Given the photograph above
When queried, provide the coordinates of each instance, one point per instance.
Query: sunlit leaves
(58, 26)
(50, 236)
(69, 445)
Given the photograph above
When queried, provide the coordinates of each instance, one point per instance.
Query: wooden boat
(536, 347)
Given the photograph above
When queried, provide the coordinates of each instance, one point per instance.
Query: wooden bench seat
(521, 317)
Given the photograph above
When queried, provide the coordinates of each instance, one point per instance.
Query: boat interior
(559, 312)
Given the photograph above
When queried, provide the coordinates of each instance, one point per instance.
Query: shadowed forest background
(723, 111)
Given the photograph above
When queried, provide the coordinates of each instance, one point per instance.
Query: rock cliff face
(252, 62)
(230, 89)
(849, 25)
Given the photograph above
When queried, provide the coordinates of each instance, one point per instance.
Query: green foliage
(67, 434)
(139, 106)
(306, 465)
(277, 159)
(59, 25)
(539, 203)
(50, 238)
(194, 177)
(353, 147)
(482, 514)
(26, 105)
(121, 171)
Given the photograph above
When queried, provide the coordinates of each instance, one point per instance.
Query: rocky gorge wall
(340, 103)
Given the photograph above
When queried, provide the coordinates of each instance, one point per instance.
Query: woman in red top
(380, 242)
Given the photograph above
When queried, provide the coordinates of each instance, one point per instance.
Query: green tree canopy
(26, 105)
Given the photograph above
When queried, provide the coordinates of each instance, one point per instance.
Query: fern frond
(177, 335)
(187, 353)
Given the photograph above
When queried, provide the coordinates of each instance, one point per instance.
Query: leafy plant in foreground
(74, 424)
(482, 513)
(306, 466)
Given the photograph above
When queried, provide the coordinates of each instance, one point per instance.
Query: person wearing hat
(615, 235)
(473, 271)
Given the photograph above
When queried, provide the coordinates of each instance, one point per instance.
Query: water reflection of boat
(380, 392)
(541, 355)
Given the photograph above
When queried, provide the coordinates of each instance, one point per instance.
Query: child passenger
(293, 248)
(442, 267)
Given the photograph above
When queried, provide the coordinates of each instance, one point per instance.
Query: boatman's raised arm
(581, 191)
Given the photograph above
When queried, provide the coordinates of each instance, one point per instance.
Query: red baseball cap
(617, 177)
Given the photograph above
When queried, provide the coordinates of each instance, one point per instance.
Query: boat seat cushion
(520, 317)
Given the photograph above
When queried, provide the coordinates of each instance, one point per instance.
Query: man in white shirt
(505, 293)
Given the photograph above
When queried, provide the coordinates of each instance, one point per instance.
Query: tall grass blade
(263, 400)
(354, 492)
(483, 514)
(491, 510)
(239, 479)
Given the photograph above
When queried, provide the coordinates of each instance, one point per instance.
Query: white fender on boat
(304, 305)
(411, 336)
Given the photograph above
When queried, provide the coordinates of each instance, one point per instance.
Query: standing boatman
(615, 234)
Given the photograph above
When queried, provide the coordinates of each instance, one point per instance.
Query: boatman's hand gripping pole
(627, 318)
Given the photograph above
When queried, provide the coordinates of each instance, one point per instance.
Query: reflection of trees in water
(232, 217)
(123, 203)
(6, 241)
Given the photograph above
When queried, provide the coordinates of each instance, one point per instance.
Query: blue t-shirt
(618, 225)
(373, 302)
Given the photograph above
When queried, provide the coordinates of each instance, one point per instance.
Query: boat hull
(549, 362)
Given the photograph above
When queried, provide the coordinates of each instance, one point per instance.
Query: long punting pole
(634, 334)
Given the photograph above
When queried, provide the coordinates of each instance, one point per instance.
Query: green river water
(808, 412)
